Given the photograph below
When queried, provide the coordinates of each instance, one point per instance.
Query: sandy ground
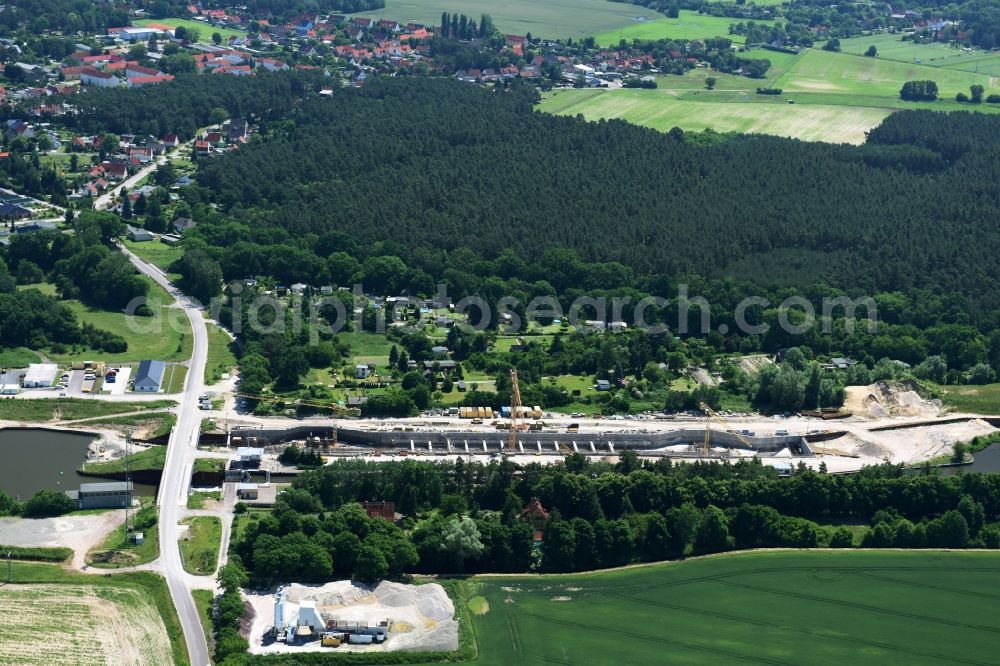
(81, 533)
(57, 624)
(421, 617)
(882, 399)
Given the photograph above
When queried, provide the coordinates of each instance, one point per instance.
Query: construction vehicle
(573, 427)
(713, 415)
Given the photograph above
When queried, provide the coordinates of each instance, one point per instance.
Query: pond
(37, 459)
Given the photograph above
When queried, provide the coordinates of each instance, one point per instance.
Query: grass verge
(200, 547)
(71, 409)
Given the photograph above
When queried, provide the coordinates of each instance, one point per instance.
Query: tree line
(467, 517)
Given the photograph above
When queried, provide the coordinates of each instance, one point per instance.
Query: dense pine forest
(441, 169)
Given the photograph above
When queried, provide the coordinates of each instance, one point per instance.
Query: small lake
(35, 459)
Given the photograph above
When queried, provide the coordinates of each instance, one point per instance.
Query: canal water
(987, 460)
(34, 459)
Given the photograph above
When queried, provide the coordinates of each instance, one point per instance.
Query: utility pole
(9, 576)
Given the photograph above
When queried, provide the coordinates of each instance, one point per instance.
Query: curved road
(181, 453)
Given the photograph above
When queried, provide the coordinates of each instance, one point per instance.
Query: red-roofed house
(134, 81)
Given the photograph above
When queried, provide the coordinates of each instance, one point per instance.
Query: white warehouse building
(40, 375)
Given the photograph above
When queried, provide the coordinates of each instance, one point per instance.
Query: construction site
(878, 424)
(351, 616)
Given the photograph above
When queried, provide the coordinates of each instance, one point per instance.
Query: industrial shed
(40, 375)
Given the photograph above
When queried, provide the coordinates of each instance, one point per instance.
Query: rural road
(181, 452)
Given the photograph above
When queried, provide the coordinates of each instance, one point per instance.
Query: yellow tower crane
(715, 416)
(516, 424)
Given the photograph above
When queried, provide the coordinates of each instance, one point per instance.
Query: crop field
(80, 624)
(821, 71)
(554, 18)
(653, 108)
(204, 29)
(892, 47)
(837, 97)
(688, 25)
(864, 607)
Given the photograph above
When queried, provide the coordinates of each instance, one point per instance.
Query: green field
(157, 253)
(166, 335)
(554, 18)
(837, 97)
(688, 25)
(813, 608)
(656, 109)
(221, 359)
(200, 546)
(937, 54)
(203, 601)
(367, 348)
(816, 70)
(204, 29)
(70, 409)
(972, 399)
(17, 357)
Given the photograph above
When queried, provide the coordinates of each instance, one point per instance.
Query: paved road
(181, 452)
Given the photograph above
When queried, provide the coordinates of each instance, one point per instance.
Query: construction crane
(516, 425)
(714, 415)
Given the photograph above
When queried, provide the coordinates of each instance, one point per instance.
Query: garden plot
(80, 624)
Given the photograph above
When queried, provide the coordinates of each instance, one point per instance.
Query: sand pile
(883, 399)
(421, 617)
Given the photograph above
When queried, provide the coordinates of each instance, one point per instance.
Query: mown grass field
(553, 18)
(205, 30)
(864, 607)
(836, 97)
(157, 253)
(688, 25)
(221, 358)
(165, 336)
(54, 616)
(937, 54)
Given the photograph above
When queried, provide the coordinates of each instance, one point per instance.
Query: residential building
(138, 235)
